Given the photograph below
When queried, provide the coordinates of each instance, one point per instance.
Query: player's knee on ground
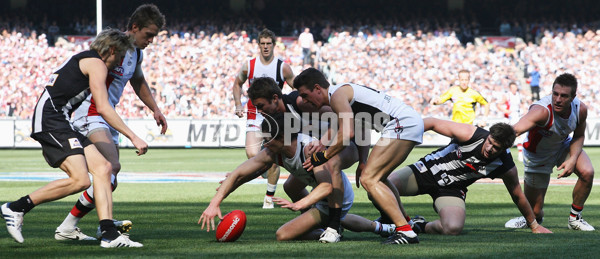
(282, 235)
(452, 228)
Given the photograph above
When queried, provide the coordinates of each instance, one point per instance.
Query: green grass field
(165, 217)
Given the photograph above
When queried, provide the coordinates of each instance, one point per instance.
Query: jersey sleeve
(446, 96)
(479, 98)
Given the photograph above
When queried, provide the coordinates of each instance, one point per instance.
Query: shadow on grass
(170, 229)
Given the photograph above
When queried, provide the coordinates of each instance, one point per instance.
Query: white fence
(187, 133)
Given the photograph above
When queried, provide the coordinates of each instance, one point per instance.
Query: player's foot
(330, 235)
(121, 241)
(14, 222)
(400, 238)
(268, 203)
(123, 226)
(391, 229)
(580, 224)
(518, 222)
(74, 234)
(419, 224)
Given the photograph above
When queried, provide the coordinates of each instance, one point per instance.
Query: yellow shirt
(463, 109)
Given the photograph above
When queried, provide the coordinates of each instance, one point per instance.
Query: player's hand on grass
(208, 218)
(286, 204)
(539, 229)
(140, 145)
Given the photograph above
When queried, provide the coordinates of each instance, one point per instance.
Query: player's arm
(237, 89)
(340, 103)
(142, 90)
(442, 98)
(288, 74)
(323, 189)
(96, 71)
(536, 116)
(238, 177)
(576, 146)
(511, 181)
(459, 131)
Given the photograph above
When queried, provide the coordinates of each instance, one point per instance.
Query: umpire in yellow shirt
(464, 98)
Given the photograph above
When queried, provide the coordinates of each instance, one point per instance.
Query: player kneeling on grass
(444, 174)
(309, 224)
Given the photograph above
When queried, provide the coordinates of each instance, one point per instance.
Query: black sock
(22, 205)
(334, 218)
(108, 229)
(270, 193)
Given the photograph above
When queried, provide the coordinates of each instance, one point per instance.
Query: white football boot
(330, 235)
(14, 222)
(121, 241)
(74, 234)
(268, 202)
(580, 224)
(518, 222)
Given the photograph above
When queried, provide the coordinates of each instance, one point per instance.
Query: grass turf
(165, 218)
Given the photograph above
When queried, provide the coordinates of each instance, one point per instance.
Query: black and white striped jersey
(65, 91)
(459, 164)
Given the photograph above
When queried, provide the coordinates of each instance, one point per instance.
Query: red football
(232, 226)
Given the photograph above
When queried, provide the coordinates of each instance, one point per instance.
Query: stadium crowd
(191, 66)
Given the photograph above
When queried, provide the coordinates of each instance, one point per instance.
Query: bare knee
(80, 184)
(587, 175)
(452, 229)
(282, 236)
(368, 183)
(116, 167)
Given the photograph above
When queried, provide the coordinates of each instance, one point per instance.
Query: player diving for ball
(308, 225)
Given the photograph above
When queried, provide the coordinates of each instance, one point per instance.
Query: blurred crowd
(192, 75)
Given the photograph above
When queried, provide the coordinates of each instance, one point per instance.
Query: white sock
(271, 187)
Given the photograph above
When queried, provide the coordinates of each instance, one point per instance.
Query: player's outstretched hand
(208, 218)
(286, 204)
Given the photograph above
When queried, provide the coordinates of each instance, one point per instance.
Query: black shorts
(428, 185)
(59, 144)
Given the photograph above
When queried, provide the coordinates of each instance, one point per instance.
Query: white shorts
(88, 124)
(539, 164)
(409, 127)
(253, 125)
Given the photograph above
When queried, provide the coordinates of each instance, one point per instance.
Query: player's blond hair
(112, 38)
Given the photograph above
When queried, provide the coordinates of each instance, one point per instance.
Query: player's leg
(535, 188)
(13, 212)
(101, 171)
(386, 155)
(357, 223)
(334, 166)
(272, 178)
(103, 140)
(452, 217)
(301, 227)
(295, 188)
(585, 171)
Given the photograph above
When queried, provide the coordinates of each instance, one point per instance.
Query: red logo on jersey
(118, 71)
